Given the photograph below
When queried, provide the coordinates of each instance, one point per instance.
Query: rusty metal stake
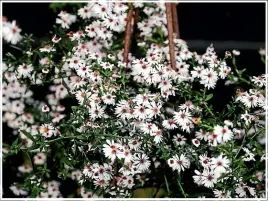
(128, 33)
(175, 20)
(170, 35)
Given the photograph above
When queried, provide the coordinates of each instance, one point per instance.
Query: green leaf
(209, 97)
(15, 143)
(29, 135)
(66, 86)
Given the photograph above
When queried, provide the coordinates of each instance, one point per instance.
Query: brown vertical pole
(175, 20)
(170, 35)
(128, 33)
(136, 17)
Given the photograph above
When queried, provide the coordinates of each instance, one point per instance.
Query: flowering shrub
(117, 128)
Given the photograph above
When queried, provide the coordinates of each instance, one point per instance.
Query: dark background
(243, 22)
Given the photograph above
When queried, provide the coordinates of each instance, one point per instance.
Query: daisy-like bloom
(83, 71)
(55, 39)
(76, 175)
(197, 72)
(44, 61)
(188, 105)
(224, 71)
(82, 95)
(209, 78)
(247, 118)
(89, 195)
(262, 52)
(205, 161)
(128, 182)
(223, 132)
(96, 112)
(236, 52)
(101, 183)
(65, 19)
(198, 178)
(91, 31)
(158, 136)
(126, 155)
(45, 108)
(202, 135)
(11, 32)
(209, 178)
(142, 99)
(24, 70)
(214, 139)
(241, 189)
(182, 117)
(249, 156)
(169, 124)
(180, 162)
(228, 123)
(45, 70)
(76, 62)
(141, 162)
(26, 168)
(122, 109)
(47, 130)
(18, 190)
(165, 85)
(179, 140)
(85, 12)
(134, 144)
(88, 170)
(40, 158)
(102, 11)
(259, 176)
(107, 65)
(47, 48)
(156, 107)
(111, 149)
(148, 128)
(222, 194)
(220, 165)
(260, 81)
(141, 112)
(108, 99)
(196, 142)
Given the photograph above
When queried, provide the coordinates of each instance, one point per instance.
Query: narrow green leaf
(209, 97)
(14, 143)
(29, 135)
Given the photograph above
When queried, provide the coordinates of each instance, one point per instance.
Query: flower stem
(179, 183)
(209, 110)
(241, 145)
(167, 184)
(261, 130)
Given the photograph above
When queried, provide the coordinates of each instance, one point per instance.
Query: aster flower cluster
(113, 128)
(10, 31)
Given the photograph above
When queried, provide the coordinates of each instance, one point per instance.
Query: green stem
(241, 145)
(179, 183)
(167, 184)
(76, 136)
(209, 110)
(66, 137)
(261, 130)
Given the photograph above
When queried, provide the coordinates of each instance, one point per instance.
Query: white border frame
(137, 199)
